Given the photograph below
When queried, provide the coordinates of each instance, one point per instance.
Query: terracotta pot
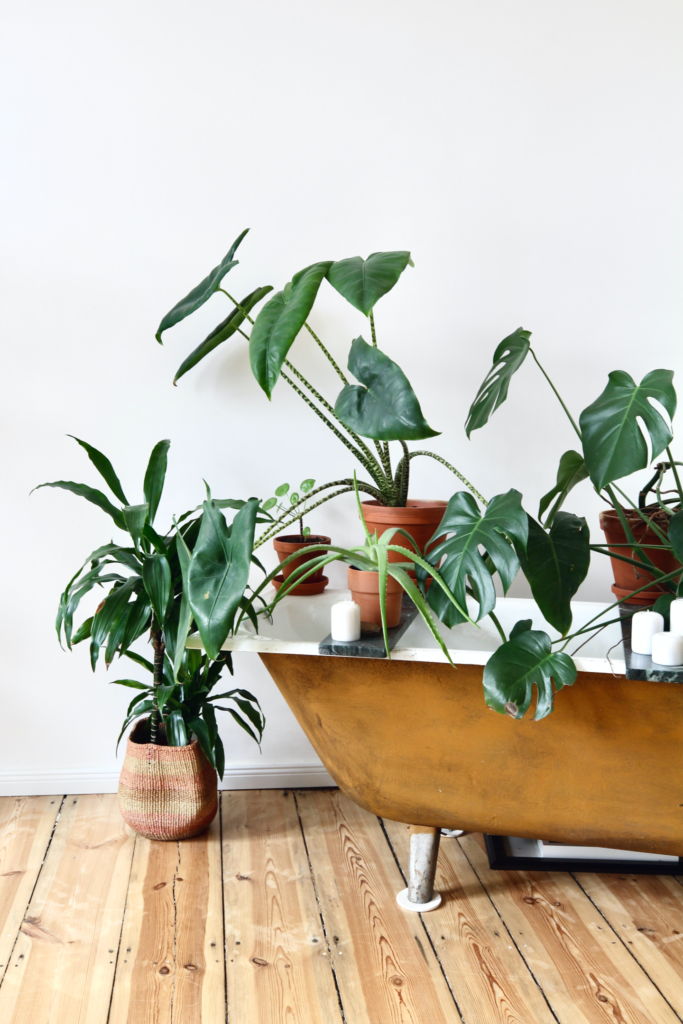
(627, 577)
(364, 587)
(166, 792)
(419, 518)
(286, 546)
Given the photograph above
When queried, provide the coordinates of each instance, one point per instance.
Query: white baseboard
(77, 780)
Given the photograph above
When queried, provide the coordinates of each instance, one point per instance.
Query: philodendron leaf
(136, 517)
(571, 471)
(364, 282)
(520, 664)
(104, 468)
(198, 296)
(613, 444)
(155, 476)
(507, 359)
(225, 330)
(90, 494)
(219, 571)
(556, 564)
(156, 576)
(675, 533)
(386, 407)
(503, 521)
(279, 322)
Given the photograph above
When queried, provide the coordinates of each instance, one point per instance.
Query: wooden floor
(288, 905)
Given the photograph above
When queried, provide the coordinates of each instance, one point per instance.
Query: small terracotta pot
(166, 792)
(286, 546)
(364, 587)
(419, 518)
(627, 577)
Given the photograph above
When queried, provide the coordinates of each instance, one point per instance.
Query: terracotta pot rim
(412, 503)
(366, 581)
(293, 541)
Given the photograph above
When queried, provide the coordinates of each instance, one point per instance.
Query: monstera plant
(554, 549)
(381, 408)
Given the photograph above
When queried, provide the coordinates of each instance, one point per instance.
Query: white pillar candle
(676, 616)
(644, 625)
(667, 649)
(345, 621)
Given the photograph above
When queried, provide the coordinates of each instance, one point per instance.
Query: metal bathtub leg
(424, 851)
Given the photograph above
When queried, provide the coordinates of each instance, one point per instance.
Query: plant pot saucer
(303, 589)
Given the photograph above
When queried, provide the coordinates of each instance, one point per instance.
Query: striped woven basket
(167, 792)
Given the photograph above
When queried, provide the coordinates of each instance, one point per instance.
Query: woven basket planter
(167, 792)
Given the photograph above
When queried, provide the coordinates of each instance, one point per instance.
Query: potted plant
(157, 584)
(381, 409)
(290, 544)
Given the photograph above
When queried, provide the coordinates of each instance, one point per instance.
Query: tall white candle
(667, 649)
(676, 616)
(644, 625)
(345, 621)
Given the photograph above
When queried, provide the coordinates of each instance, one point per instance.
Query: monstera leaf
(279, 322)
(571, 471)
(520, 664)
(199, 295)
(503, 521)
(386, 407)
(507, 359)
(613, 444)
(556, 564)
(364, 282)
(219, 571)
(223, 331)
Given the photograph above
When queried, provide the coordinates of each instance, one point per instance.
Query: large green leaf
(386, 408)
(105, 468)
(108, 613)
(137, 622)
(219, 571)
(364, 282)
(135, 517)
(155, 476)
(520, 664)
(185, 615)
(223, 331)
(556, 564)
(571, 471)
(279, 322)
(503, 521)
(507, 359)
(613, 444)
(90, 494)
(199, 295)
(156, 576)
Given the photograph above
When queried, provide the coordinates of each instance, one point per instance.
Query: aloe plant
(382, 408)
(192, 577)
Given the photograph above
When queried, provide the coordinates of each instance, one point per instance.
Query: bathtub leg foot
(424, 850)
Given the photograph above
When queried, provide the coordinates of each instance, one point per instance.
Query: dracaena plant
(192, 577)
(556, 556)
(381, 409)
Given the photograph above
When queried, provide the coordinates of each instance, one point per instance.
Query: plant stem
(372, 328)
(158, 678)
(498, 626)
(346, 485)
(653, 526)
(236, 303)
(557, 394)
(459, 475)
(675, 473)
(403, 475)
(324, 350)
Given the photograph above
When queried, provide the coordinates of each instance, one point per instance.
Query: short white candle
(345, 621)
(644, 625)
(667, 649)
(676, 616)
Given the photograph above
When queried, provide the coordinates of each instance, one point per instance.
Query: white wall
(528, 153)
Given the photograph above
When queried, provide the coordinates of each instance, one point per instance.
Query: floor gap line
(175, 928)
(225, 934)
(123, 921)
(320, 910)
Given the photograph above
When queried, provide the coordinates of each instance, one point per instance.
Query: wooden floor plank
(278, 969)
(62, 966)
(26, 824)
(489, 978)
(170, 966)
(585, 971)
(386, 969)
(646, 912)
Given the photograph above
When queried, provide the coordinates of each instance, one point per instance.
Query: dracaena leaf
(204, 290)
(556, 564)
(385, 407)
(155, 476)
(507, 359)
(90, 494)
(136, 517)
(520, 664)
(156, 576)
(105, 469)
(364, 282)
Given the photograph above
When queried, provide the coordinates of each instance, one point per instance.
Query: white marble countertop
(301, 623)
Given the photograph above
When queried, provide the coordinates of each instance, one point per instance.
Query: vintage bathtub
(411, 739)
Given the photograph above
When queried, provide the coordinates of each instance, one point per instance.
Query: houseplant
(289, 544)
(159, 583)
(383, 408)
